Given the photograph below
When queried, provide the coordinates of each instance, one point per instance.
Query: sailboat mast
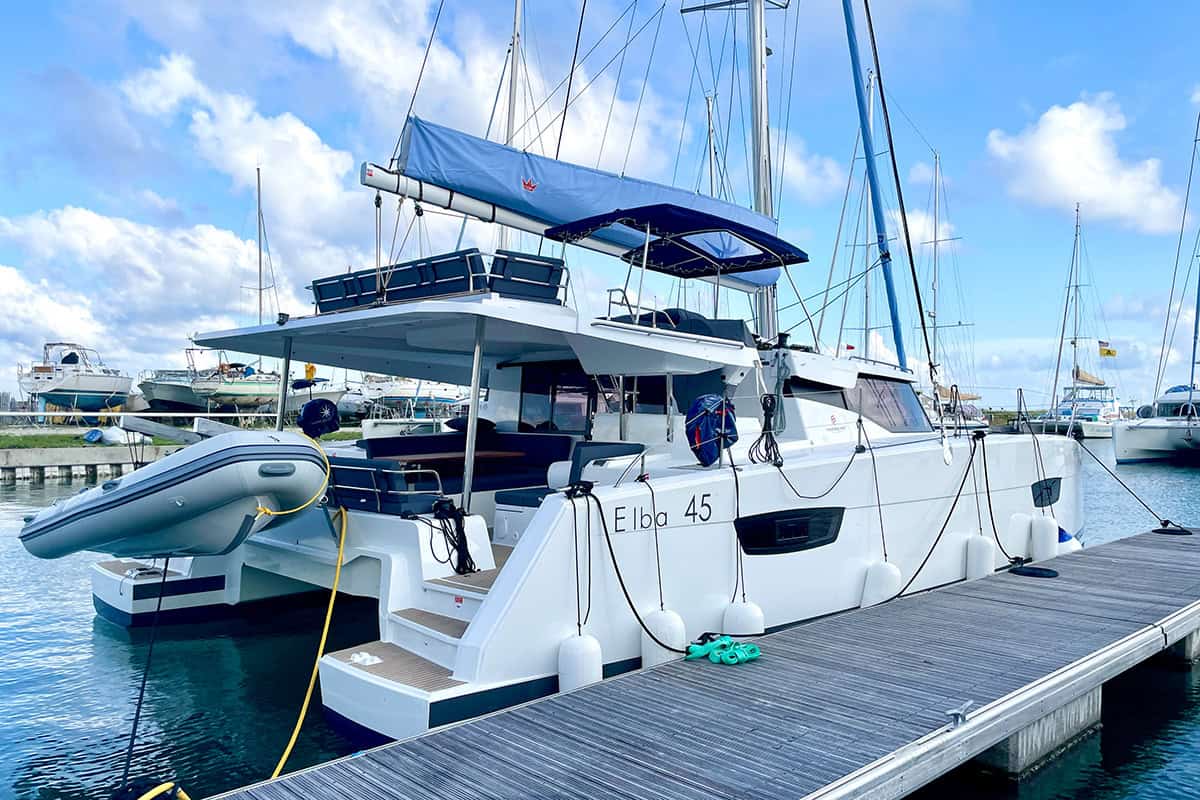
(510, 126)
(866, 324)
(258, 192)
(1075, 334)
(885, 254)
(1195, 338)
(937, 177)
(767, 310)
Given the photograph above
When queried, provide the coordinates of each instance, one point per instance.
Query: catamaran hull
(1157, 440)
(458, 677)
(202, 500)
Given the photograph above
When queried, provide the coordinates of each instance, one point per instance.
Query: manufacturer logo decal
(528, 184)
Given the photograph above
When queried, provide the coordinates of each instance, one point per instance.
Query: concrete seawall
(38, 464)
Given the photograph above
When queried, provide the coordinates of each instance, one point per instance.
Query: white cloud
(920, 172)
(811, 177)
(1196, 94)
(1070, 155)
(37, 312)
(920, 228)
(158, 92)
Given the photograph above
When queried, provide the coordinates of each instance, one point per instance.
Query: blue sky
(131, 131)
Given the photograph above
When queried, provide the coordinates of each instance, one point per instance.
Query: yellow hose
(312, 680)
(163, 788)
(266, 512)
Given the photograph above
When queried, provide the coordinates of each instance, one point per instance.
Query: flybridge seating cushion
(451, 273)
(527, 277)
(685, 321)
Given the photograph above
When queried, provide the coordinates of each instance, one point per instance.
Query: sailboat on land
(633, 479)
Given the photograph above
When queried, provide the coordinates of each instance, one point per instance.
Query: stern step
(397, 665)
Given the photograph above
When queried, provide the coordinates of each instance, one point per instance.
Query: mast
(866, 325)
(1195, 338)
(768, 312)
(510, 126)
(937, 176)
(258, 192)
(885, 256)
(1075, 332)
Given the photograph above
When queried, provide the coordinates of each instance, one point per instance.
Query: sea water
(221, 699)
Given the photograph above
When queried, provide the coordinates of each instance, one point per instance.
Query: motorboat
(202, 500)
(1168, 430)
(71, 376)
(1087, 407)
(170, 390)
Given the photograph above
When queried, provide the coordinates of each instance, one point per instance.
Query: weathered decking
(850, 705)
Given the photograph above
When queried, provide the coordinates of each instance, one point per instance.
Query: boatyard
(737, 398)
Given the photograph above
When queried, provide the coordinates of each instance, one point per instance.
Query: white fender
(1043, 538)
(1018, 533)
(743, 619)
(981, 557)
(882, 582)
(668, 627)
(580, 662)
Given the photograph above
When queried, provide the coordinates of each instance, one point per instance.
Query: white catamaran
(1168, 430)
(633, 480)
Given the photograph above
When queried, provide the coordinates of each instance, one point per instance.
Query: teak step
(448, 626)
(400, 666)
(477, 582)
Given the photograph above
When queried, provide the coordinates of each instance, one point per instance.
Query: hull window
(788, 531)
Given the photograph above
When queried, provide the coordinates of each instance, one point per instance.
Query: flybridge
(496, 183)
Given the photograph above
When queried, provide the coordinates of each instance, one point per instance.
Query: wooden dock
(853, 705)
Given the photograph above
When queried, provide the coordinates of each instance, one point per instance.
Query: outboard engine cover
(711, 425)
(318, 417)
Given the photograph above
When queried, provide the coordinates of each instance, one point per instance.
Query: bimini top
(688, 243)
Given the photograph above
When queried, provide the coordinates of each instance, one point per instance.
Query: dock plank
(827, 699)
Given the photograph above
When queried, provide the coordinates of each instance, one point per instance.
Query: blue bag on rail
(711, 424)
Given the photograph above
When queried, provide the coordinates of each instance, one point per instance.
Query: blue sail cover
(553, 192)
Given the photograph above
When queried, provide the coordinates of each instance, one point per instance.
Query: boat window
(788, 531)
(887, 402)
(555, 396)
(817, 392)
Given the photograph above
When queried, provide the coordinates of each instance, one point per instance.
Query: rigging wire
(687, 104)
(579, 65)
(601, 71)
(487, 133)
(417, 86)
(1162, 352)
(841, 219)
(787, 115)
(570, 80)
(641, 95)
(617, 87)
(887, 126)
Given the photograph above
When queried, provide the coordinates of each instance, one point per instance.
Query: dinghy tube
(201, 500)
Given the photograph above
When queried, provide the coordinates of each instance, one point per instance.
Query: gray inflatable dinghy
(201, 500)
